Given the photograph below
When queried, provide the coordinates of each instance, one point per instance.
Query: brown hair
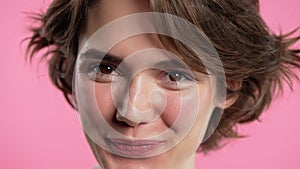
(250, 53)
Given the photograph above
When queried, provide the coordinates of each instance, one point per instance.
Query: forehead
(106, 11)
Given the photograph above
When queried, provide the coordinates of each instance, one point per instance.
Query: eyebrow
(172, 63)
(95, 54)
(98, 55)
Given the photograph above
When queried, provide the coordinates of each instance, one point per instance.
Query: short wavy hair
(249, 51)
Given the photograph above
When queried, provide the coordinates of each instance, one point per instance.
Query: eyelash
(94, 71)
(167, 78)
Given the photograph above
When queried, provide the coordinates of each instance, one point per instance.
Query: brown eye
(105, 69)
(102, 72)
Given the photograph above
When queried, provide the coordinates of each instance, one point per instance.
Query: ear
(232, 95)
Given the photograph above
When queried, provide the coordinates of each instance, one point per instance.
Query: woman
(156, 108)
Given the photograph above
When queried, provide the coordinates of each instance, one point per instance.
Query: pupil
(175, 77)
(105, 69)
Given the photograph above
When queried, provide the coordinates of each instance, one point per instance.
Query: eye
(102, 72)
(104, 69)
(175, 76)
(176, 80)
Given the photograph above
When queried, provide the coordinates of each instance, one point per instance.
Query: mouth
(134, 148)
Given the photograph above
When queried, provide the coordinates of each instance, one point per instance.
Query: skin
(141, 85)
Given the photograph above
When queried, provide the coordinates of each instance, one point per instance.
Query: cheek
(187, 105)
(172, 108)
(104, 100)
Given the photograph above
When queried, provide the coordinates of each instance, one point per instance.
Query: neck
(189, 163)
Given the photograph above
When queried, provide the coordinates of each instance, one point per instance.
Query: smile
(134, 147)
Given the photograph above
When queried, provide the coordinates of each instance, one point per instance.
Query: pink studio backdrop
(40, 131)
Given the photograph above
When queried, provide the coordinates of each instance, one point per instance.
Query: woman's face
(140, 106)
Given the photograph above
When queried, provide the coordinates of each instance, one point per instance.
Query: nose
(140, 89)
(136, 107)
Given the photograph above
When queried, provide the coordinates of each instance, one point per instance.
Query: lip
(134, 148)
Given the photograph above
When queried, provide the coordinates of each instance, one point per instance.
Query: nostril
(125, 121)
(120, 123)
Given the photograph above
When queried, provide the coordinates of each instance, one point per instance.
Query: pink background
(40, 131)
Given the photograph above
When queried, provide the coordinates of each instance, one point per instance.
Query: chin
(108, 160)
